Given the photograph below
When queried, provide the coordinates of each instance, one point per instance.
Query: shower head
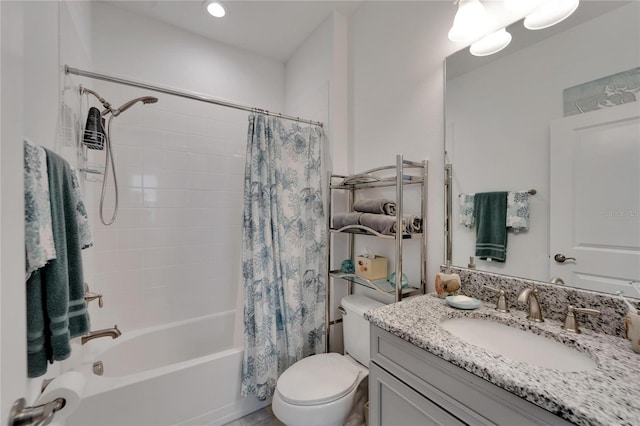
(145, 100)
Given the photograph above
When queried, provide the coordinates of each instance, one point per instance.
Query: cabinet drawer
(465, 395)
(394, 403)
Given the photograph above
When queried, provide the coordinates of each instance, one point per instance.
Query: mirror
(502, 112)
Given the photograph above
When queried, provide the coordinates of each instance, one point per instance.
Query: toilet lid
(318, 379)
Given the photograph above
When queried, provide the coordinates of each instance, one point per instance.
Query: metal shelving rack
(404, 173)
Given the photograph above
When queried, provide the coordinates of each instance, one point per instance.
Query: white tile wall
(174, 251)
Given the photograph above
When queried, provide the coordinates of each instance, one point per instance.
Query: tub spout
(114, 333)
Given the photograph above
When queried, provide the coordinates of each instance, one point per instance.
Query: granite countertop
(607, 395)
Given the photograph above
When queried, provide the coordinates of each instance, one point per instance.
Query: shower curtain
(284, 250)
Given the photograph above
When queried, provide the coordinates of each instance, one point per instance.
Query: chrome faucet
(114, 333)
(530, 296)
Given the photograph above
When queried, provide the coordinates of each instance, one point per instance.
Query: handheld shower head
(144, 99)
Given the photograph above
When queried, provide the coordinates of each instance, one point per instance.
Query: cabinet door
(394, 403)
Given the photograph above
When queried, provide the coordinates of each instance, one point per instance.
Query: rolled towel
(380, 223)
(376, 205)
(344, 219)
(412, 223)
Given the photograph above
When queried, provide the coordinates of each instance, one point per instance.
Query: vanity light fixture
(492, 43)
(470, 21)
(550, 13)
(214, 8)
(522, 6)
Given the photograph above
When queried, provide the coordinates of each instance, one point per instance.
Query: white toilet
(319, 390)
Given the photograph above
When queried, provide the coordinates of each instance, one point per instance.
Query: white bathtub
(185, 373)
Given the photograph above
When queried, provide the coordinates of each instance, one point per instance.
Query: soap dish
(462, 302)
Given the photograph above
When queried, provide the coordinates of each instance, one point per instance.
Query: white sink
(518, 345)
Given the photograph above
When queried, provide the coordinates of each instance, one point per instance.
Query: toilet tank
(355, 327)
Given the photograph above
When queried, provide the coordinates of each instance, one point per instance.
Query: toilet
(319, 390)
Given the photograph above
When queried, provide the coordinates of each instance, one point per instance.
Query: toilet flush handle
(342, 310)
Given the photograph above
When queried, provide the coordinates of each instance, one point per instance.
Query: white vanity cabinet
(410, 386)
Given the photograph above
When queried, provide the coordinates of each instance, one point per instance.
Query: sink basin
(518, 345)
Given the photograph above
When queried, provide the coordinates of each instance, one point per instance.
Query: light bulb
(550, 13)
(490, 44)
(470, 21)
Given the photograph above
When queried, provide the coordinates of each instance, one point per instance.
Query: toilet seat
(318, 379)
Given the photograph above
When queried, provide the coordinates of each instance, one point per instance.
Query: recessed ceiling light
(215, 8)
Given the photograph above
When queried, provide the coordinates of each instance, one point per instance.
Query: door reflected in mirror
(506, 130)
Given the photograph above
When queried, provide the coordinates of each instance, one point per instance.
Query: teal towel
(491, 225)
(56, 309)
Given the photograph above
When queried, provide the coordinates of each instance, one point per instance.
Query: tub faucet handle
(90, 296)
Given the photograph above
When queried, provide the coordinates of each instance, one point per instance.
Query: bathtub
(184, 373)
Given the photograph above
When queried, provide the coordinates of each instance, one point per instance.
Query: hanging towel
(518, 210)
(377, 205)
(84, 230)
(38, 233)
(56, 309)
(341, 220)
(491, 225)
(466, 214)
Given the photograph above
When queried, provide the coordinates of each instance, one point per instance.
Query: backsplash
(553, 299)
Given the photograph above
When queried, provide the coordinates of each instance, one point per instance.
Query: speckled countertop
(607, 395)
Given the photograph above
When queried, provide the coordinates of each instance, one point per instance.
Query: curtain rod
(182, 94)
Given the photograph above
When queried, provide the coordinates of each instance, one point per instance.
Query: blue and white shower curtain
(284, 250)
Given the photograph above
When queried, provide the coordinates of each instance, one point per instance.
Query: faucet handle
(91, 296)
(501, 305)
(571, 322)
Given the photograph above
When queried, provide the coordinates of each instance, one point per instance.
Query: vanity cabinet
(410, 386)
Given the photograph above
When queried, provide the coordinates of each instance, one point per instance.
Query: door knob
(560, 258)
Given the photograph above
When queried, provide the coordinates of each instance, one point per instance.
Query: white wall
(13, 360)
(396, 103)
(41, 72)
(502, 143)
(174, 251)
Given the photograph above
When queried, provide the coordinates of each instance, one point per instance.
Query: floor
(263, 417)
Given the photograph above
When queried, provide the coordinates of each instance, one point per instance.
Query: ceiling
(269, 28)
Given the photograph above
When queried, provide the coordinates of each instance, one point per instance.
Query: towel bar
(531, 192)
